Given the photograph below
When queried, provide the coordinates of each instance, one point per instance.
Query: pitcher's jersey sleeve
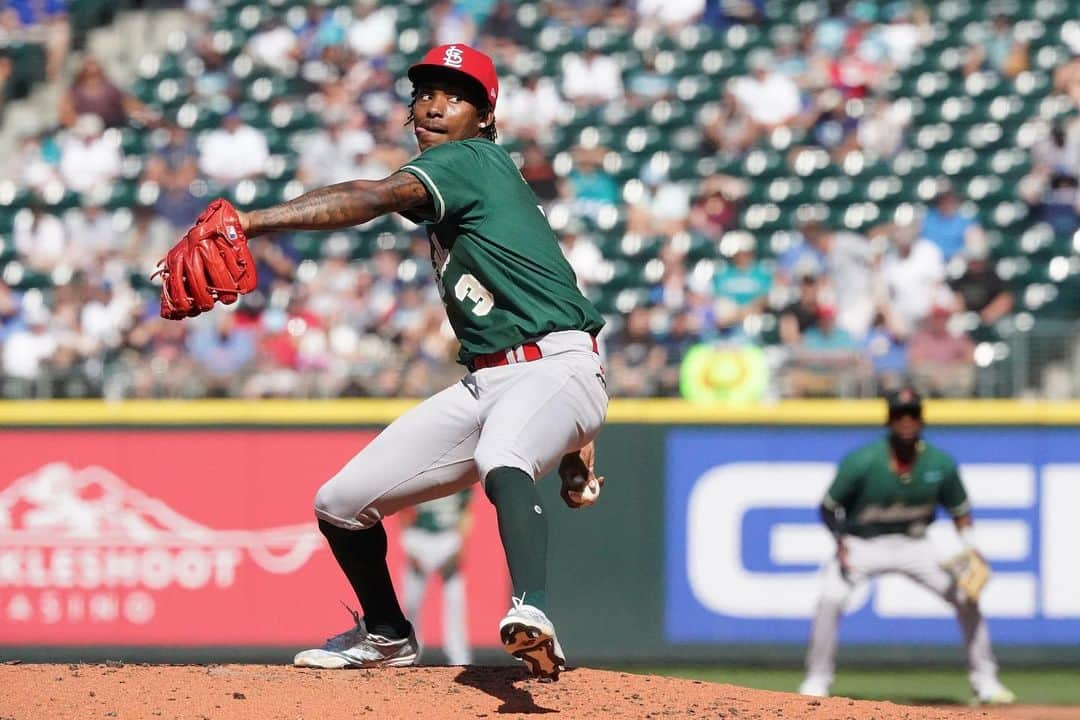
(953, 495)
(450, 173)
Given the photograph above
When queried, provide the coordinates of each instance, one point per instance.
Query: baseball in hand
(588, 493)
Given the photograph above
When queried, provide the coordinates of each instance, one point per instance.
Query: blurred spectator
(173, 165)
(531, 110)
(802, 313)
(539, 173)
(590, 187)
(95, 231)
(721, 13)
(321, 30)
(88, 158)
(906, 29)
(591, 78)
(451, 23)
(7, 68)
(663, 206)
(222, 351)
(912, 273)
(881, 131)
(1051, 187)
(827, 362)
(581, 15)
(1000, 51)
(681, 335)
(768, 97)
(503, 33)
(671, 15)
(635, 360)
(45, 20)
(945, 224)
(91, 93)
(374, 29)
(275, 46)
(979, 289)
(714, 210)
(27, 350)
(942, 362)
(861, 61)
(647, 84)
(670, 291)
(41, 238)
(787, 58)
(1067, 75)
(335, 154)
(584, 257)
(234, 151)
(742, 286)
(728, 129)
(38, 161)
(846, 263)
(174, 168)
(887, 353)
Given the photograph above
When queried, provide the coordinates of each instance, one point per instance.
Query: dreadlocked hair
(484, 108)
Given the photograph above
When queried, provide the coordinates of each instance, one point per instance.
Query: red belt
(526, 352)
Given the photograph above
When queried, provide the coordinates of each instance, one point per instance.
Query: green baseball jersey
(442, 514)
(876, 500)
(501, 273)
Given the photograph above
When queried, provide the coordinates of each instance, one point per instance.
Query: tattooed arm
(338, 206)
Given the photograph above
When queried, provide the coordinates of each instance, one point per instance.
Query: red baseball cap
(464, 59)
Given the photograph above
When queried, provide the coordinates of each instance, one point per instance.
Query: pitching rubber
(535, 648)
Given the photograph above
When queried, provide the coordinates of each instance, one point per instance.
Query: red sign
(178, 537)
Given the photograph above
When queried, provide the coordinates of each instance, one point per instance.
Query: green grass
(935, 686)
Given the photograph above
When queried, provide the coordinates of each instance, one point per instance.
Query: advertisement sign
(193, 538)
(744, 541)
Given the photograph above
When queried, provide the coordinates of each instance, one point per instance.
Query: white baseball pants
(430, 552)
(525, 415)
(914, 557)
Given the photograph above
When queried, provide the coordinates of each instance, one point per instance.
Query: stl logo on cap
(452, 57)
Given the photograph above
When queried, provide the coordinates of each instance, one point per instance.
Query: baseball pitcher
(878, 508)
(534, 395)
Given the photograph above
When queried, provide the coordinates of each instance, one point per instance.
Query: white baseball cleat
(357, 648)
(996, 694)
(814, 687)
(528, 635)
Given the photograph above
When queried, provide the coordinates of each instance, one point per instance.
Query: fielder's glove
(971, 572)
(211, 263)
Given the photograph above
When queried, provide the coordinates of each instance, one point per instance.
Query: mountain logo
(86, 530)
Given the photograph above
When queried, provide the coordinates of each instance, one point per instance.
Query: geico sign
(1042, 539)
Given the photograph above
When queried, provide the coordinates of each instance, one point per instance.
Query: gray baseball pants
(914, 557)
(524, 415)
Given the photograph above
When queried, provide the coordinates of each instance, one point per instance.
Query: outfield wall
(120, 523)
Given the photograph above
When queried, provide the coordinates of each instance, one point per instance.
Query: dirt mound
(259, 692)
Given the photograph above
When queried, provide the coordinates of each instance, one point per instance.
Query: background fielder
(883, 498)
(433, 540)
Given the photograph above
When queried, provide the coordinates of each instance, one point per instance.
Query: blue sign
(744, 541)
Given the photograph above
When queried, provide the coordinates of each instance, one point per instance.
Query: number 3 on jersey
(468, 286)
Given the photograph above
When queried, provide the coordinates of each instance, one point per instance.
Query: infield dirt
(260, 692)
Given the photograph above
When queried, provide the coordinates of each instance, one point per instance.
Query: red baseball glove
(212, 262)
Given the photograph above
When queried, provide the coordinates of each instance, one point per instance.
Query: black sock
(362, 557)
(523, 528)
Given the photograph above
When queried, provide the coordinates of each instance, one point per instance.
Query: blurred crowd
(841, 312)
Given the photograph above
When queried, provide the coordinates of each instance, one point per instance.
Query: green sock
(524, 531)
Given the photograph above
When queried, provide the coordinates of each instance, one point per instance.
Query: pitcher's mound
(260, 692)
